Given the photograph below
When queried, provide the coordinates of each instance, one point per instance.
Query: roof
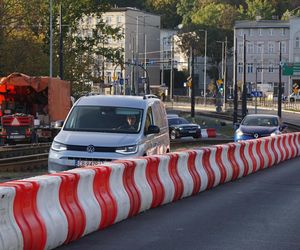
(116, 101)
(261, 24)
(124, 9)
(263, 115)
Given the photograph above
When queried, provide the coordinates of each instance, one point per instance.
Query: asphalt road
(261, 211)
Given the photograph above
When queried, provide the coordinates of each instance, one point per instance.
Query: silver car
(104, 128)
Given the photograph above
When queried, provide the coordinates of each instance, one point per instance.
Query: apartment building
(140, 42)
(262, 43)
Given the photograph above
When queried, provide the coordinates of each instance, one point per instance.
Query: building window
(297, 45)
(260, 47)
(283, 47)
(250, 67)
(250, 48)
(108, 19)
(260, 32)
(283, 31)
(271, 68)
(240, 48)
(271, 47)
(250, 32)
(240, 67)
(241, 32)
(271, 32)
(119, 19)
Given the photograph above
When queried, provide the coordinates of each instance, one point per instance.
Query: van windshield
(104, 119)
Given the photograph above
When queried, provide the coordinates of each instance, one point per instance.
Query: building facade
(263, 39)
(140, 43)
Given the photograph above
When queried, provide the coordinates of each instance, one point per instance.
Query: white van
(97, 130)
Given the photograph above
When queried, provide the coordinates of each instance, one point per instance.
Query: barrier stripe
(51, 211)
(154, 181)
(193, 172)
(214, 166)
(10, 233)
(267, 152)
(27, 216)
(220, 164)
(166, 180)
(177, 182)
(118, 190)
(241, 152)
(272, 151)
(253, 156)
(142, 184)
(70, 204)
(234, 165)
(208, 168)
(258, 149)
(131, 188)
(239, 161)
(87, 198)
(104, 196)
(184, 173)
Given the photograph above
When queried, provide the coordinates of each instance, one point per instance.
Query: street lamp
(205, 60)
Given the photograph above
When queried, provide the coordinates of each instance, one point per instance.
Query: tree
(167, 10)
(262, 8)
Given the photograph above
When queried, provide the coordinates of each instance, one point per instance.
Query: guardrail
(51, 210)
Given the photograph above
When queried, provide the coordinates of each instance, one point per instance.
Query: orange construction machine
(30, 106)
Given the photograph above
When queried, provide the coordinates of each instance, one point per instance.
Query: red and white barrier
(208, 133)
(45, 212)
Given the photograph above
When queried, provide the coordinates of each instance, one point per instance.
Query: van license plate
(82, 164)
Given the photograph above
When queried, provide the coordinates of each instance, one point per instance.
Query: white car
(96, 131)
(294, 97)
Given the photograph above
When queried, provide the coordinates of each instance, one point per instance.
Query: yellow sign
(219, 81)
(189, 84)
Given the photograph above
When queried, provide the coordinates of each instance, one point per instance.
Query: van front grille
(97, 149)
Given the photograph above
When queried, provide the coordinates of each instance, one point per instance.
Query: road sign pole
(279, 84)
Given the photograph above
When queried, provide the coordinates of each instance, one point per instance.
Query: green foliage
(255, 8)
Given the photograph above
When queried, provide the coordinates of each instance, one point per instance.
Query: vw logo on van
(255, 135)
(90, 148)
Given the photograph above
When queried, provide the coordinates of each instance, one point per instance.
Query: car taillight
(3, 132)
(27, 132)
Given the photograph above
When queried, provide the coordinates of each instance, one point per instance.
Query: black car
(180, 127)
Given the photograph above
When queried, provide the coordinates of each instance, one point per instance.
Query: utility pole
(172, 69)
(244, 97)
(205, 59)
(235, 100)
(280, 83)
(51, 39)
(137, 55)
(60, 42)
(193, 83)
(225, 75)
(132, 80)
(163, 60)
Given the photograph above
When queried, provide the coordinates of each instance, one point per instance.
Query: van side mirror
(152, 129)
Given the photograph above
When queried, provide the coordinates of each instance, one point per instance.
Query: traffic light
(221, 88)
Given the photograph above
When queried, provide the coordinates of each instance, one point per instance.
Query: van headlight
(127, 150)
(56, 146)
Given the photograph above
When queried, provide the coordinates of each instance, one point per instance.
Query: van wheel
(173, 135)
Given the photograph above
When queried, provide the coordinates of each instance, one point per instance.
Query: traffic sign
(291, 69)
